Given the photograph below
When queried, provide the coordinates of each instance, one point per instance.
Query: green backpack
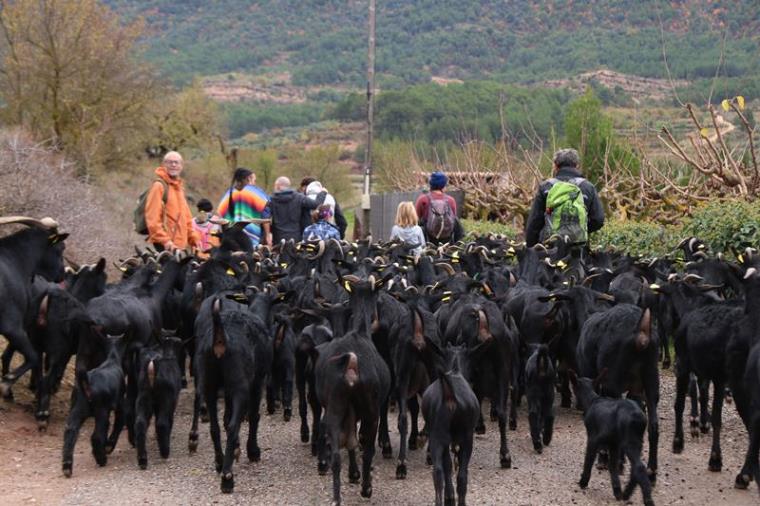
(566, 213)
(138, 218)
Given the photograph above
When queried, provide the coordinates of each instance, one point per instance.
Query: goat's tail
(220, 340)
(151, 373)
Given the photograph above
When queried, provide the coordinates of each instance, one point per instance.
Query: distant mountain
(324, 41)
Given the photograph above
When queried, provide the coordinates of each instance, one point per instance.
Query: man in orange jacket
(170, 226)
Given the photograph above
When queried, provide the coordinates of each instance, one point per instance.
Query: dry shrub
(36, 181)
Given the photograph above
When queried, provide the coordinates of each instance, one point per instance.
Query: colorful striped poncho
(248, 203)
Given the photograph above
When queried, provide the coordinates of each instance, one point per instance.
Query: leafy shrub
(728, 224)
(474, 228)
(636, 238)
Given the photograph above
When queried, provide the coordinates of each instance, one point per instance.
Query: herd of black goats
(360, 325)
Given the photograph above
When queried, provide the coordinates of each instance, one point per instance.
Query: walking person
(566, 205)
(244, 201)
(438, 212)
(321, 229)
(286, 208)
(407, 228)
(168, 218)
(338, 217)
(204, 225)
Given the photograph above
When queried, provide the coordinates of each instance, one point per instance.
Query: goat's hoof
(694, 427)
(270, 410)
(506, 461)
(413, 443)
(704, 428)
(192, 443)
(401, 472)
(228, 483)
(387, 451)
(305, 436)
(715, 464)
(480, 429)
(142, 462)
(538, 447)
(5, 391)
(742, 481)
(648, 502)
(254, 454)
(67, 467)
(367, 492)
(547, 439)
(287, 414)
(101, 460)
(354, 476)
(617, 493)
(677, 444)
(322, 468)
(42, 425)
(583, 483)
(666, 363)
(652, 475)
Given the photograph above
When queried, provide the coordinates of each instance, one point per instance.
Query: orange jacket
(179, 219)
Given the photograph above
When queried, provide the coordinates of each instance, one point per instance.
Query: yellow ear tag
(654, 287)
(284, 265)
(740, 258)
(446, 299)
(230, 272)
(347, 286)
(123, 269)
(511, 250)
(561, 264)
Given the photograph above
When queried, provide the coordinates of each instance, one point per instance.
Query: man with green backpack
(566, 205)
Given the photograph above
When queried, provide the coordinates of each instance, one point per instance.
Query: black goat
(283, 368)
(451, 411)
(36, 250)
(311, 336)
(621, 340)
(158, 391)
(98, 392)
(352, 382)
(617, 425)
(540, 378)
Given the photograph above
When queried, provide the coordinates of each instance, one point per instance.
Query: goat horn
(351, 278)
(163, 254)
(446, 267)
(319, 253)
(700, 254)
(750, 272)
(44, 223)
(692, 277)
(72, 263)
(340, 248)
(372, 281)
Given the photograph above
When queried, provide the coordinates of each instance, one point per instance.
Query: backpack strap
(165, 198)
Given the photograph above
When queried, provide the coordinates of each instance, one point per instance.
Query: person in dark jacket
(286, 207)
(340, 220)
(566, 168)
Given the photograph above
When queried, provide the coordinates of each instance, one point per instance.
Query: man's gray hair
(567, 157)
(282, 183)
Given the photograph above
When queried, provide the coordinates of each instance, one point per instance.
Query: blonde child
(406, 227)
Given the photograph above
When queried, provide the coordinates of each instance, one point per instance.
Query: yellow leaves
(725, 105)
(740, 102)
(704, 132)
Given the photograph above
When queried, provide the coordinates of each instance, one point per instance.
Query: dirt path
(30, 467)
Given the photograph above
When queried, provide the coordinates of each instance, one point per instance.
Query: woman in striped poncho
(245, 201)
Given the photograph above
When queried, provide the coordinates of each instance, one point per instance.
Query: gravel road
(30, 467)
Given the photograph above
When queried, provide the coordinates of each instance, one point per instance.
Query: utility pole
(370, 123)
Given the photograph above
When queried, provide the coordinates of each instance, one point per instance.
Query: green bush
(636, 238)
(724, 225)
(474, 228)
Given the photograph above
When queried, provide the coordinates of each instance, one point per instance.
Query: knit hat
(438, 180)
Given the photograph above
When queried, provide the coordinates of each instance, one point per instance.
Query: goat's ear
(101, 265)
(645, 325)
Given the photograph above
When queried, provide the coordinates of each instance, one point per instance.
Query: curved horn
(750, 272)
(372, 281)
(162, 255)
(44, 223)
(690, 278)
(351, 278)
(700, 254)
(446, 267)
(319, 253)
(339, 247)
